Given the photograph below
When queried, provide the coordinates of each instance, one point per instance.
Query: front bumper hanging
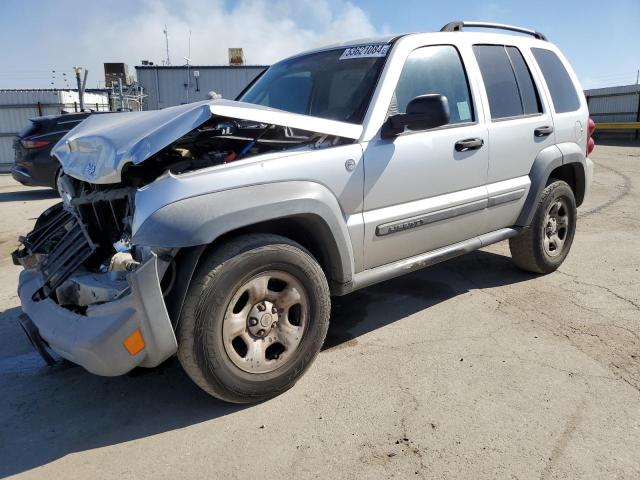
(97, 339)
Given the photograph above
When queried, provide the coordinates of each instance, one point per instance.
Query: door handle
(543, 131)
(469, 144)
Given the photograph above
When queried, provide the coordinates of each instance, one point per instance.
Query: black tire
(528, 248)
(57, 176)
(218, 278)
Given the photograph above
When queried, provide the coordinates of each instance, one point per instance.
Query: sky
(38, 37)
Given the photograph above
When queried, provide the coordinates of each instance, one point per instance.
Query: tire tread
(526, 251)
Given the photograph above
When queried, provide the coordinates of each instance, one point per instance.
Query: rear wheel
(542, 246)
(255, 317)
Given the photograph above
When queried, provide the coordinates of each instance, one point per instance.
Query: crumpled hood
(96, 150)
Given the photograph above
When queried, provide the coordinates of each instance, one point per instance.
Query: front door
(424, 190)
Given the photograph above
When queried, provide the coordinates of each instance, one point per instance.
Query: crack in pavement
(576, 279)
(548, 326)
(626, 189)
(561, 444)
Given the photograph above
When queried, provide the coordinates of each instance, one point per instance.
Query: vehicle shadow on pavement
(382, 304)
(47, 413)
(24, 195)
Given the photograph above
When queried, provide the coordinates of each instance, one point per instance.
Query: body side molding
(450, 212)
(432, 217)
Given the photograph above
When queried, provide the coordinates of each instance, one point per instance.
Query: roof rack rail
(458, 26)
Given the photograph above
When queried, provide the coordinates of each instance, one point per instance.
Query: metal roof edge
(212, 67)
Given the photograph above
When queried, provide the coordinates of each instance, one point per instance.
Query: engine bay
(224, 140)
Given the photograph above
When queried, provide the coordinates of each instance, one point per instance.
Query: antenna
(166, 38)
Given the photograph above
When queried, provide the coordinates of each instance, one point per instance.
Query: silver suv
(219, 230)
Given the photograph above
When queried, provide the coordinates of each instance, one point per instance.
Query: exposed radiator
(63, 245)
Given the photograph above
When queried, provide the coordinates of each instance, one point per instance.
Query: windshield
(335, 84)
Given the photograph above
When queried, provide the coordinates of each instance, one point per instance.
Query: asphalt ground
(469, 369)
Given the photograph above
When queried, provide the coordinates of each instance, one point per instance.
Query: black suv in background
(33, 164)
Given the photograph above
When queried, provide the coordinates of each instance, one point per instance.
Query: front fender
(201, 219)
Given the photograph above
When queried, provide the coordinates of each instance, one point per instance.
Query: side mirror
(423, 112)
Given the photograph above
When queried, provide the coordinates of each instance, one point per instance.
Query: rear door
(520, 126)
(570, 107)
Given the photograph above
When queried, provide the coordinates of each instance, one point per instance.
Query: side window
(437, 70)
(563, 92)
(508, 81)
(528, 93)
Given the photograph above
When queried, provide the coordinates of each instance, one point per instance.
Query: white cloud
(266, 30)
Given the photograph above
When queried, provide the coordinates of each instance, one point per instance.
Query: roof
(362, 41)
(87, 90)
(453, 27)
(616, 90)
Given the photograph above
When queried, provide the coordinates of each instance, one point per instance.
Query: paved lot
(470, 369)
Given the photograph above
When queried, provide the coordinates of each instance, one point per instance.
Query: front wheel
(56, 181)
(255, 317)
(542, 246)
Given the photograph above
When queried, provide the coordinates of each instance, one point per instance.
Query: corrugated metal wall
(167, 86)
(18, 106)
(614, 104)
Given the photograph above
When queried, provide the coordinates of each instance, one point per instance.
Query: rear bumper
(95, 340)
(588, 174)
(22, 176)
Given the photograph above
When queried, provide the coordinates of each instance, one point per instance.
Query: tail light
(34, 143)
(591, 144)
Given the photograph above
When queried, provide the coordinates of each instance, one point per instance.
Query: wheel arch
(573, 173)
(309, 230)
(565, 162)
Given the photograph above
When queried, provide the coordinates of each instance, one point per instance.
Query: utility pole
(166, 39)
(188, 84)
(120, 95)
(188, 59)
(81, 85)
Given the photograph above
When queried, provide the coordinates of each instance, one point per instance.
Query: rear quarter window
(563, 92)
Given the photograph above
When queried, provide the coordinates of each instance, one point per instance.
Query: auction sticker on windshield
(365, 51)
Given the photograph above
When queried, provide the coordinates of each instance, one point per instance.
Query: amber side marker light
(134, 343)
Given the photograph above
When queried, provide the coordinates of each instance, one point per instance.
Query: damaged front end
(87, 295)
(73, 246)
(86, 287)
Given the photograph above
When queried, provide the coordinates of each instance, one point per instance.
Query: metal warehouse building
(614, 104)
(616, 111)
(166, 86)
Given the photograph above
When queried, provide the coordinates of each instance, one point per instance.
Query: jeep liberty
(220, 230)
